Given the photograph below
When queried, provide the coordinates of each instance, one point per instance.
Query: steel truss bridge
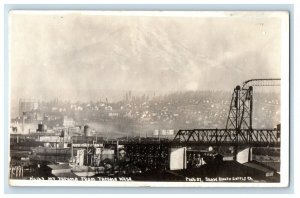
(228, 137)
(238, 131)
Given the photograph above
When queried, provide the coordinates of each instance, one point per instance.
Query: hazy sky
(68, 54)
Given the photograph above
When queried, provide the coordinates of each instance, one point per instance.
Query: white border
(285, 131)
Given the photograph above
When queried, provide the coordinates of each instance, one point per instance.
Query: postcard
(149, 98)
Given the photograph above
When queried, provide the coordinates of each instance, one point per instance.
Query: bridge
(228, 137)
(238, 130)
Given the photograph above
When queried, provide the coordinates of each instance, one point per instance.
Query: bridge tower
(241, 108)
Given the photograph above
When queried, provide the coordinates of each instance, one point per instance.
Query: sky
(88, 55)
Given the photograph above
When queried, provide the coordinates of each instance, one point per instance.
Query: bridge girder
(229, 137)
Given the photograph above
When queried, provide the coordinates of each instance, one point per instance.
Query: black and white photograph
(149, 98)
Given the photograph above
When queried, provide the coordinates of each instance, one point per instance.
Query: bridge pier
(235, 152)
(244, 155)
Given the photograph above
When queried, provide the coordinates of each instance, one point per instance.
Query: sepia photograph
(148, 98)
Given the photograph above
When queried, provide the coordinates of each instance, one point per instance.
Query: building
(68, 122)
(27, 105)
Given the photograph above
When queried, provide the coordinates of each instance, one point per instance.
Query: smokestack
(23, 120)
